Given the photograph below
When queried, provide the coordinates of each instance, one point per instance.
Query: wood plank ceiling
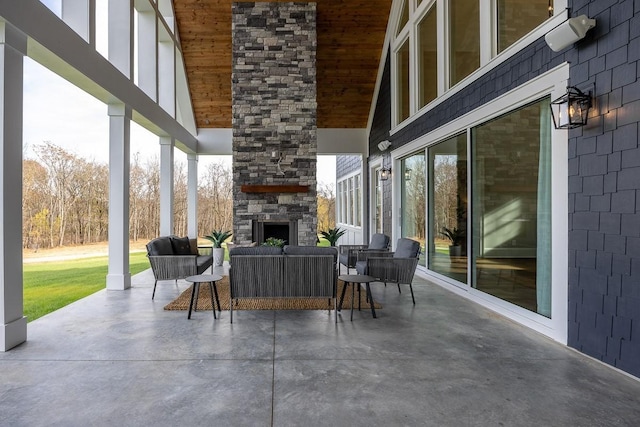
(350, 40)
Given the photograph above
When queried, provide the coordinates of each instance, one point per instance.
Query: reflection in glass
(403, 81)
(413, 199)
(427, 30)
(465, 38)
(516, 18)
(511, 207)
(448, 208)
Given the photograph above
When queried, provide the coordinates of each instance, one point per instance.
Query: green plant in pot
(457, 237)
(272, 241)
(217, 238)
(333, 234)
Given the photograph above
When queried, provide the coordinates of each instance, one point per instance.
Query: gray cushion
(379, 241)
(361, 267)
(181, 246)
(406, 248)
(160, 246)
(203, 262)
(257, 250)
(310, 250)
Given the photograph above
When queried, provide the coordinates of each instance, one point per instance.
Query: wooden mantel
(274, 188)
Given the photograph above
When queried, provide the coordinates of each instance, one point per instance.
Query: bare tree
(326, 207)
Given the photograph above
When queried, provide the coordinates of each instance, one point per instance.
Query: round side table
(357, 279)
(204, 278)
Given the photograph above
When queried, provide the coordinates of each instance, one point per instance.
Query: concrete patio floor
(117, 358)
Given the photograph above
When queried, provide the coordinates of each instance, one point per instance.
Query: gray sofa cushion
(181, 245)
(310, 250)
(256, 250)
(160, 246)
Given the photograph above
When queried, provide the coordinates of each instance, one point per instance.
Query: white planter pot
(218, 256)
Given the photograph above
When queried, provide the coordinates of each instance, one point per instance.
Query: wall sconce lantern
(385, 173)
(571, 109)
(407, 174)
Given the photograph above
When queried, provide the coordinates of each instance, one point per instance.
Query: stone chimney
(274, 121)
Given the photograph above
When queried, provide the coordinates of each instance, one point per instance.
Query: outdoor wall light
(571, 109)
(569, 32)
(384, 145)
(385, 173)
(407, 174)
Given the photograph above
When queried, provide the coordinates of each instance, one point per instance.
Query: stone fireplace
(274, 121)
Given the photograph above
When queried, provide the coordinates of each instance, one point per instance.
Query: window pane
(465, 38)
(357, 201)
(413, 198)
(404, 18)
(517, 17)
(427, 30)
(448, 208)
(403, 82)
(511, 207)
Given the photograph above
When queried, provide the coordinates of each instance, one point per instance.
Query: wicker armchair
(348, 254)
(392, 267)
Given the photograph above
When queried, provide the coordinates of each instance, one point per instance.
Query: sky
(57, 111)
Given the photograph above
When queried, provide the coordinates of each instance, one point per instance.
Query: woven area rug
(204, 300)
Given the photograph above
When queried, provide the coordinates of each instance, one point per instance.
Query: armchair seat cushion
(203, 262)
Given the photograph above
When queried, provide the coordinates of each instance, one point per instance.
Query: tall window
(516, 18)
(512, 207)
(465, 44)
(413, 199)
(377, 203)
(403, 82)
(448, 208)
(434, 51)
(350, 201)
(428, 31)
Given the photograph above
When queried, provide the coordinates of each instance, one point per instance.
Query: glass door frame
(552, 84)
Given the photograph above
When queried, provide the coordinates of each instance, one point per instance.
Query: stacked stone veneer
(274, 113)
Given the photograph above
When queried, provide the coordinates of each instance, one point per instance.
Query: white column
(119, 276)
(166, 185)
(192, 195)
(80, 15)
(121, 35)
(148, 53)
(13, 324)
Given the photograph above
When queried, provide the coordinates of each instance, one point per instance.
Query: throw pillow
(181, 245)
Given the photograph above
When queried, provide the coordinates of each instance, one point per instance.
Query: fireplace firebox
(286, 230)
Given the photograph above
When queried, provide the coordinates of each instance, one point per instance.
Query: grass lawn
(53, 284)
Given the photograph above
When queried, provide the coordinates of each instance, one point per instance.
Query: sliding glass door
(511, 207)
(448, 208)
(413, 199)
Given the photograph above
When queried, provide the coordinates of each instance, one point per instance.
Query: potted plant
(272, 241)
(332, 235)
(217, 237)
(457, 238)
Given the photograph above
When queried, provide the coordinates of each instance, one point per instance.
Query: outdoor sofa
(290, 272)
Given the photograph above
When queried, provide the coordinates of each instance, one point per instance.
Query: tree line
(66, 199)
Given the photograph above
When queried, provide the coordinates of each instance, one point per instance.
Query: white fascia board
(330, 141)
(343, 141)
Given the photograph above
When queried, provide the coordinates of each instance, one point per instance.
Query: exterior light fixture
(382, 146)
(407, 174)
(571, 109)
(569, 32)
(385, 173)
